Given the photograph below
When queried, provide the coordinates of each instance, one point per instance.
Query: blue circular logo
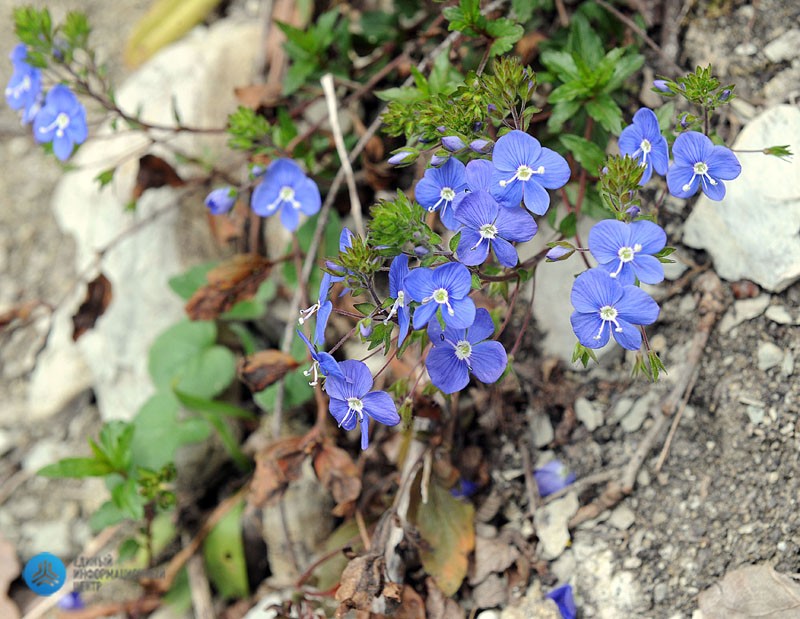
(45, 574)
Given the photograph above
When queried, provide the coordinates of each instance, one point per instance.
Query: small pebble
(587, 414)
(779, 314)
(769, 356)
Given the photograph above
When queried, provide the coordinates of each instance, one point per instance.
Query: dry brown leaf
(234, 280)
(98, 298)
(339, 474)
(492, 556)
(264, 368)
(361, 582)
(255, 96)
(528, 45)
(412, 606)
(153, 173)
(277, 466)
(9, 570)
(755, 591)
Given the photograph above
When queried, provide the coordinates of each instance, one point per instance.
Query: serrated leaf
(588, 154)
(623, 69)
(562, 64)
(223, 551)
(606, 112)
(561, 113)
(568, 92)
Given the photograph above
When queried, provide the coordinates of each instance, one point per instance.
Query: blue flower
(62, 121)
(552, 477)
(287, 188)
(698, 163)
(458, 352)
(562, 596)
(625, 250)
(487, 225)
(221, 200)
(24, 90)
(661, 85)
(643, 142)
(324, 363)
(601, 302)
(352, 402)
(322, 308)
(71, 601)
(446, 286)
(398, 271)
(523, 169)
(439, 187)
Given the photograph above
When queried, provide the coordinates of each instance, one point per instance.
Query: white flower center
(625, 255)
(608, 314)
(463, 350)
(356, 405)
(488, 231)
(446, 195)
(441, 296)
(523, 173)
(700, 169)
(646, 146)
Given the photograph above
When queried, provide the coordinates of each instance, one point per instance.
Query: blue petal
(606, 238)
(630, 140)
(650, 236)
(447, 372)
(515, 224)
(637, 306)
(306, 193)
(424, 313)
(679, 175)
(403, 320)
(587, 326)
(463, 313)
(563, 598)
(476, 209)
(482, 328)
(505, 252)
(647, 174)
(265, 199)
(340, 409)
(552, 477)
(323, 314)
(356, 383)
(509, 196)
(283, 173)
(365, 433)
(307, 342)
(479, 174)
(556, 169)
(381, 407)
(345, 240)
(647, 121)
(471, 250)
(536, 198)
(691, 147)
(629, 337)
(290, 218)
(448, 215)
(714, 192)
(43, 131)
(648, 269)
(594, 289)
(427, 192)
(420, 284)
(329, 366)
(77, 129)
(659, 156)
(723, 164)
(488, 361)
(626, 275)
(398, 271)
(514, 149)
(62, 147)
(453, 277)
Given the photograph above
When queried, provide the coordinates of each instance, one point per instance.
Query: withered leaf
(153, 173)
(277, 465)
(234, 280)
(98, 298)
(438, 605)
(259, 95)
(361, 582)
(750, 592)
(412, 606)
(260, 370)
(339, 474)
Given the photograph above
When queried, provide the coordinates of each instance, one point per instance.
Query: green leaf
(105, 177)
(584, 41)
(561, 113)
(454, 240)
(76, 467)
(127, 549)
(186, 284)
(106, 515)
(562, 64)
(523, 9)
(568, 92)
(126, 497)
(214, 407)
(665, 114)
(606, 112)
(505, 33)
(568, 226)
(223, 551)
(588, 154)
(252, 309)
(444, 78)
(158, 432)
(623, 69)
(446, 524)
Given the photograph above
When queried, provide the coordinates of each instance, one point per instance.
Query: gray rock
(551, 525)
(752, 233)
(621, 409)
(639, 412)
(779, 314)
(533, 605)
(587, 414)
(787, 367)
(45, 452)
(769, 356)
(491, 592)
(6, 442)
(196, 76)
(542, 431)
(783, 87)
(622, 517)
(743, 310)
(785, 47)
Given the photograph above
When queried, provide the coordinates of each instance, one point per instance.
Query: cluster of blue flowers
(57, 116)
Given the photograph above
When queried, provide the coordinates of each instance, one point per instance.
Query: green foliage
(700, 88)
(223, 551)
(467, 18)
(649, 365)
(588, 154)
(619, 185)
(398, 226)
(782, 152)
(583, 355)
(248, 131)
(510, 88)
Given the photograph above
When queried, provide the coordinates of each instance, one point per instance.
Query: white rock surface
(588, 414)
(753, 232)
(743, 310)
(785, 47)
(551, 525)
(198, 74)
(769, 356)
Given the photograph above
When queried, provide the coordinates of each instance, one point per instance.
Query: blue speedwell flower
(487, 225)
(524, 171)
(563, 598)
(322, 308)
(458, 352)
(352, 402)
(221, 200)
(552, 477)
(286, 188)
(398, 271)
(698, 163)
(62, 121)
(625, 250)
(439, 187)
(324, 364)
(643, 142)
(603, 306)
(24, 90)
(446, 286)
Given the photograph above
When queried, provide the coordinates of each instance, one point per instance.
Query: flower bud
(491, 108)
(441, 128)
(559, 252)
(633, 212)
(257, 170)
(404, 156)
(481, 147)
(661, 85)
(452, 143)
(365, 327)
(221, 200)
(439, 159)
(477, 126)
(421, 251)
(683, 121)
(725, 95)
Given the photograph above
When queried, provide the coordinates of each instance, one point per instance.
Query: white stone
(785, 47)
(787, 367)
(639, 412)
(541, 429)
(752, 233)
(621, 409)
(769, 356)
(45, 452)
(551, 525)
(622, 517)
(588, 415)
(198, 74)
(745, 309)
(779, 314)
